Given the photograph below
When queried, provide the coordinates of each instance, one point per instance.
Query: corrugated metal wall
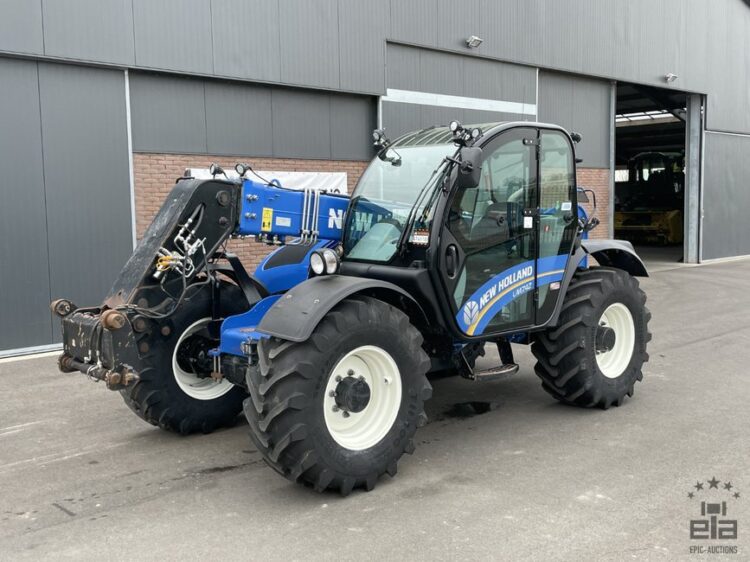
(421, 70)
(181, 115)
(24, 277)
(582, 105)
(65, 216)
(726, 196)
(340, 44)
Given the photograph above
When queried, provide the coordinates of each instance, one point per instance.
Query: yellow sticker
(265, 224)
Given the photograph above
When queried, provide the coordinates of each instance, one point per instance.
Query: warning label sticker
(267, 221)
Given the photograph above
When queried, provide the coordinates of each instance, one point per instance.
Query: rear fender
(295, 315)
(608, 253)
(616, 253)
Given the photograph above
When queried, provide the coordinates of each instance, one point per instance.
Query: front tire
(594, 355)
(339, 409)
(169, 394)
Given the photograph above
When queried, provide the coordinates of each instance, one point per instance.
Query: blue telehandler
(453, 239)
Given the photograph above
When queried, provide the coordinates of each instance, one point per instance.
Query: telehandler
(454, 237)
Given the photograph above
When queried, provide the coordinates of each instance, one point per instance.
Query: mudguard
(616, 253)
(296, 314)
(609, 253)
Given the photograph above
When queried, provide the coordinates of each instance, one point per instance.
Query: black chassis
(114, 355)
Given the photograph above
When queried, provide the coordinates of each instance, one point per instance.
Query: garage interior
(650, 169)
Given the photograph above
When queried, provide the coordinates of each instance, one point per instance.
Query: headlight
(324, 262)
(331, 260)
(317, 264)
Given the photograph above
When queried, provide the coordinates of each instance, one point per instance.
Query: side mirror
(469, 167)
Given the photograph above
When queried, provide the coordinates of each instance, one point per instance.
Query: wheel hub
(605, 339)
(192, 355)
(614, 340)
(192, 365)
(353, 394)
(362, 397)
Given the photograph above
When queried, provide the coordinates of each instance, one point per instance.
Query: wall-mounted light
(473, 42)
(669, 78)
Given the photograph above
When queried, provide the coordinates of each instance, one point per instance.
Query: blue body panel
(279, 278)
(278, 212)
(240, 328)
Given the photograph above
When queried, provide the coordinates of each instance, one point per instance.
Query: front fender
(616, 253)
(296, 314)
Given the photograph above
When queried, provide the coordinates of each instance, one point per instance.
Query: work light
(317, 264)
(331, 260)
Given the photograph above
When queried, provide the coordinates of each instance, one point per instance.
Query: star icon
(727, 485)
(736, 495)
(713, 483)
(698, 486)
(691, 495)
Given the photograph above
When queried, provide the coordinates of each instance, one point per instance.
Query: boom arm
(274, 213)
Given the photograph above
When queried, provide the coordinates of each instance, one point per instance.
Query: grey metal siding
(361, 47)
(84, 140)
(174, 35)
(414, 21)
(238, 119)
(301, 124)
(21, 27)
(191, 116)
(105, 34)
(310, 42)
(246, 39)
(352, 121)
(423, 70)
(727, 67)
(582, 105)
(168, 114)
(726, 197)
(25, 319)
(340, 43)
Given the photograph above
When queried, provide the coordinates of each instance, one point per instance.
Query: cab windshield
(384, 197)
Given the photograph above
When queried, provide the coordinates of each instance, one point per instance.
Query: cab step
(494, 373)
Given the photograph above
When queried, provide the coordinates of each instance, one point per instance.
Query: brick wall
(598, 180)
(155, 175)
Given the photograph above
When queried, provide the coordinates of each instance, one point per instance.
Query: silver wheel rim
(191, 384)
(362, 430)
(613, 363)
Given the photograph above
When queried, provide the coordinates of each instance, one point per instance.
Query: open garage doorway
(651, 165)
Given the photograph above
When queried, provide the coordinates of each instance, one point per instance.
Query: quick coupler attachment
(115, 379)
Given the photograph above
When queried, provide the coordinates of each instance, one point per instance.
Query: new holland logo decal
(498, 292)
(471, 311)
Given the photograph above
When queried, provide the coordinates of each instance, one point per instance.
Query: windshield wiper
(447, 164)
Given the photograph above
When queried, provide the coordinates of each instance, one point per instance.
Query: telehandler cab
(453, 238)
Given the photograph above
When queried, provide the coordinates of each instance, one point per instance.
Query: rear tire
(568, 363)
(163, 396)
(294, 418)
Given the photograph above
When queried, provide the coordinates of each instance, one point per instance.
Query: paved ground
(81, 477)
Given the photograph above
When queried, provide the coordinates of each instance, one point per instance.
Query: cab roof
(436, 135)
(442, 135)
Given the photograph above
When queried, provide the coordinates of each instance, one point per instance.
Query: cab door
(557, 218)
(489, 241)
(505, 242)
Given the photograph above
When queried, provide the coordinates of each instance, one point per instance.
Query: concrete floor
(81, 477)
